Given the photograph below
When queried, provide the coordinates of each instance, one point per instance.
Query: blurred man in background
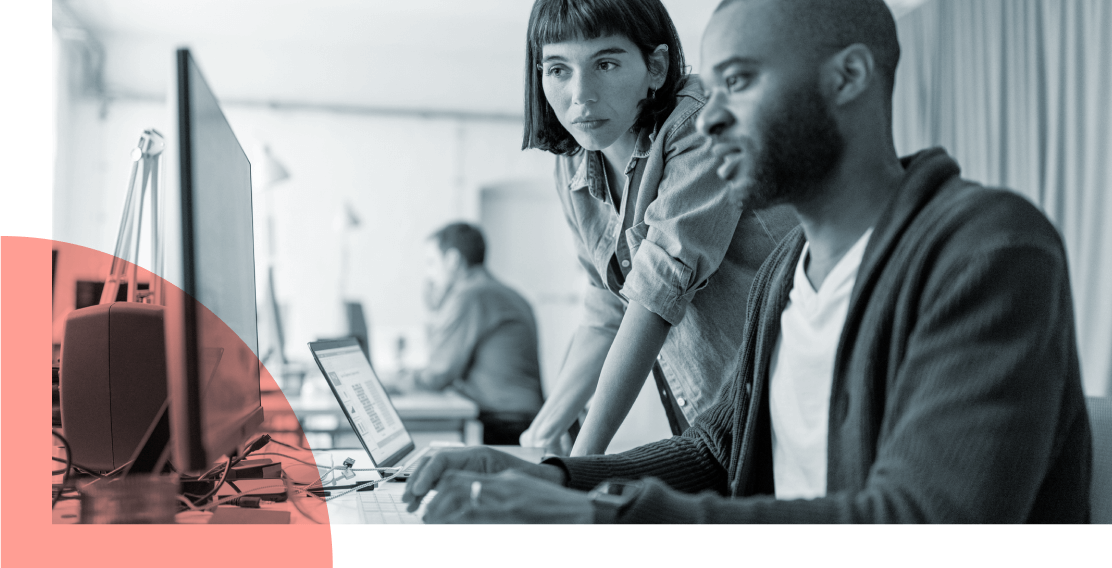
(482, 336)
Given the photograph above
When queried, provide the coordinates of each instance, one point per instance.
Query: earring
(652, 94)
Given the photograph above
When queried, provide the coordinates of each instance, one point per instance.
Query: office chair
(1100, 418)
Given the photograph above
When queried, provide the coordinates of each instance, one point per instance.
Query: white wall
(404, 177)
(55, 60)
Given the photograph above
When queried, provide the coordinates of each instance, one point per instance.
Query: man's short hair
(464, 237)
(832, 25)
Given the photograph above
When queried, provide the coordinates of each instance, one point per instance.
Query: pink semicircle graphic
(79, 273)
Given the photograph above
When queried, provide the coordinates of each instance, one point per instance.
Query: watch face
(617, 489)
(621, 487)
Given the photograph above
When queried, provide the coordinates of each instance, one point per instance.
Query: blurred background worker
(482, 336)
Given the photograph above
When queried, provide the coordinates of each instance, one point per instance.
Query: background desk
(429, 416)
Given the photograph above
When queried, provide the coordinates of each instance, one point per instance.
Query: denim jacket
(685, 252)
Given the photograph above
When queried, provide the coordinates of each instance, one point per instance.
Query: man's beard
(801, 147)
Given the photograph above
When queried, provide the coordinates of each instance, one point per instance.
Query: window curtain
(1020, 93)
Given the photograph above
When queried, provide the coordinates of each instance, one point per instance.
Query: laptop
(376, 423)
(368, 408)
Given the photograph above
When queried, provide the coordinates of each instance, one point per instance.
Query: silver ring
(476, 489)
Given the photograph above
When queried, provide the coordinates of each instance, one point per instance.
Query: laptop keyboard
(380, 507)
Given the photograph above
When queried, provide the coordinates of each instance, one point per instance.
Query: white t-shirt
(801, 373)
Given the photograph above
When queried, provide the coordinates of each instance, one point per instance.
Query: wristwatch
(611, 498)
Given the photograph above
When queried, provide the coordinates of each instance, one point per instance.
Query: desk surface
(445, 405)
(345, 510)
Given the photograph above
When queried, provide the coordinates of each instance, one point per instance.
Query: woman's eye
(607, 65)
(556, 72)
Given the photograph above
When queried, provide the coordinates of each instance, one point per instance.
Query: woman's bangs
(567, 21)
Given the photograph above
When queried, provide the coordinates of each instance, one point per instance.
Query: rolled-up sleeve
(602, 310)
(687, 228)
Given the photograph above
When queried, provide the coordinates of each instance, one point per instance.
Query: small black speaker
(113, 380)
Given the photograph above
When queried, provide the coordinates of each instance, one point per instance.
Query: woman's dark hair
(644, 22)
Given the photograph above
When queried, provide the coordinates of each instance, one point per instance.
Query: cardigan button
(680, 401)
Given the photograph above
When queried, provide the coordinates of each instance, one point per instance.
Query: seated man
(482, 336)
(909, 354)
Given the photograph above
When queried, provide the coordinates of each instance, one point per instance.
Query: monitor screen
(215, 399)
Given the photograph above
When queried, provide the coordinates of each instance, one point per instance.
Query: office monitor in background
(212, 365)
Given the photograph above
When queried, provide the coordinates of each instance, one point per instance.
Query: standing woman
(669, 257)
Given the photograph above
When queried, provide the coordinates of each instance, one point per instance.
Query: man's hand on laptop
(507, 497)
(433, 468)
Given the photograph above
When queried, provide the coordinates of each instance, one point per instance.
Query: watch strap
(611, 498)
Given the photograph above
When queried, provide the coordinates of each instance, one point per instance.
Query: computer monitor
(212, 336)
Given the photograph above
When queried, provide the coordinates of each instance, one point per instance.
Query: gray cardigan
(956, 394)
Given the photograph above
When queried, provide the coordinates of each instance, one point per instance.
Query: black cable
(77, 466)
(292, 447)
(246, 501)
(334, 467)
(219, 484)
(254, 446)
(206, 474)
(66, 474)
(295, 459)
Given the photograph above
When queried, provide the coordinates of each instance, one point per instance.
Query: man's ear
(849, 73)
(658, 66)
(453, 259)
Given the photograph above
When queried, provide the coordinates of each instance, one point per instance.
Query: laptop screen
(366, 403)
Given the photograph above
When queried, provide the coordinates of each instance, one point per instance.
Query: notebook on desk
(367, 406)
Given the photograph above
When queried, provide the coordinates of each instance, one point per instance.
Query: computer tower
(113, 380)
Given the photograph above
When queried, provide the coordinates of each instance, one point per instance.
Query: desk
(422, 412)
(345, 510)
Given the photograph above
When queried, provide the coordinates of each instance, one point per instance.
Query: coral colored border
(29, 538)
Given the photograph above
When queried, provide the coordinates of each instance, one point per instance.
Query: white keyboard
(379, 507)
